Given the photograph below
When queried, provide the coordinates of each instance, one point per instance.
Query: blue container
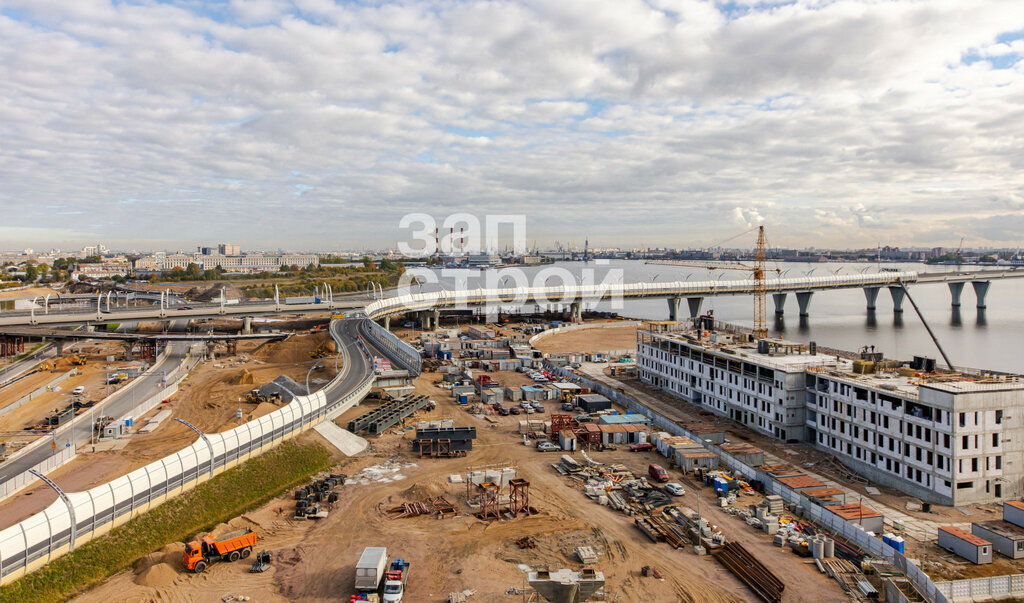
(463, 399)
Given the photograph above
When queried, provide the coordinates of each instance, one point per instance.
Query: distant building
(228, 249)
(236, 263)
(100, 270)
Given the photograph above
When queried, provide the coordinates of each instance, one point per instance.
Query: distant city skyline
(309, 125)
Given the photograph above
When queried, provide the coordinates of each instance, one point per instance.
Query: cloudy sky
(317, 124)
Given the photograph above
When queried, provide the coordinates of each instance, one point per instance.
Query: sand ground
(314, 561)
(589, 340)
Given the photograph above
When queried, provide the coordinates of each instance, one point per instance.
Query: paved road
(118, 405)
(26, 364)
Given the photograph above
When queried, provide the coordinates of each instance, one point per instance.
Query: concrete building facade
(945, 439)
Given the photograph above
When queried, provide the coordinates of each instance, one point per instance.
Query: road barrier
(42, 390)
(23, 480)
(401, 352)
(60, 527)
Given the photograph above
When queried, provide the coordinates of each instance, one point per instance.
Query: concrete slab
(344, 440)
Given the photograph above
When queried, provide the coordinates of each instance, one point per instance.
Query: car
(583, 419)
(567, 406)
(529, 410)
(546, 446)
(515, 410)
(78, 391)
(640, 447)
(675, 489)
(503, 411)
(538, 407)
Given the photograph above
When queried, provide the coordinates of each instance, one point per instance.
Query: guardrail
(816, 513)
(400, 351)
(60, 527)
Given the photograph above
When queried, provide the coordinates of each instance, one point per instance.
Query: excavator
(78, 360)
(255, 397)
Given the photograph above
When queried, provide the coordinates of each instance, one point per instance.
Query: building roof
(698, 455)
(854, 511)
(965, 536)
(1002, 528)
(593, 398)
(801, 481)
(780, 470)
(741, 448)
(1016, 504)
(820, 492)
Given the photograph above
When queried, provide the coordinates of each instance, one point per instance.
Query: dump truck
(370, 569)
(395, 580)
(231, 547)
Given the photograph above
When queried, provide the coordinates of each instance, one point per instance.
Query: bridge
(428, 305)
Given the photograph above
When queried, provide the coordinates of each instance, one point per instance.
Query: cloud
(837, 123)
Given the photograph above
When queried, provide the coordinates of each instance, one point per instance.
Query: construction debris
(526, 542)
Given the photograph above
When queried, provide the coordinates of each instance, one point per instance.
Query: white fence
(60, 527)
(996, 587)
(39, 391)
(820, 515)
(22, 480)
(399, 351)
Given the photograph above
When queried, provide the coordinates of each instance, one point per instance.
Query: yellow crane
(760, 287)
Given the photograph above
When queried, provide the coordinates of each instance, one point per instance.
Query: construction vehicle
(395, 580)
(231, 547)
(323, 350)
(78, 360)
(255, 397)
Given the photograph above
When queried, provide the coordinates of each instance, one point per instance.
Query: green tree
(193, 272)
(31, 274)
(367, 262)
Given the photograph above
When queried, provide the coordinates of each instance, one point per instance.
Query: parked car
(537, 406)
(503, 411)
(657, 472)
(567, 406)
(584, 419)
(546, 446)
(642, 446)
(515, 410)
(675, 489)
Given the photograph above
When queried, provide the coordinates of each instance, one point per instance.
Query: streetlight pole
(311, 369)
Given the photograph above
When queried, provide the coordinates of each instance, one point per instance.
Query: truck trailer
(370, 569)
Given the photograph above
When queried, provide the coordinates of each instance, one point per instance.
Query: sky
(315, 124)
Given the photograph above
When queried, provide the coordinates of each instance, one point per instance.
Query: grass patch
(21, 357)
(113, 326)
(224, 497)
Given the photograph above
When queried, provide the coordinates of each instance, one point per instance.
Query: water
(987, 339)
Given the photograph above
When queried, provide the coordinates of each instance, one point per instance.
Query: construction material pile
(316, 499)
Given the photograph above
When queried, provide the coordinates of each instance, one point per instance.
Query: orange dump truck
(231, 547)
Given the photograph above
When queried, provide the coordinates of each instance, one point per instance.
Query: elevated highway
(428, 305)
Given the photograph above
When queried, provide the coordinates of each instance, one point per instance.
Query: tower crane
(760, 286)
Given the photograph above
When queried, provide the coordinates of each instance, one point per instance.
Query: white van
(78, 391)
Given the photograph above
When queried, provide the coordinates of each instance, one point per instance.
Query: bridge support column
(387, 323)
(955, 289)
(897, 299)
(90, 328)
(780, 303)
(803, 300)
(673, 308)
(576, 311)
(435, 316)
(980, 291)
(60, 347)
(694, 303)
(425, 317)
(247, 325)
(871, 294)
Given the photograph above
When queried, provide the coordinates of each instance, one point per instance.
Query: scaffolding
(490, 501)
(519, 497)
